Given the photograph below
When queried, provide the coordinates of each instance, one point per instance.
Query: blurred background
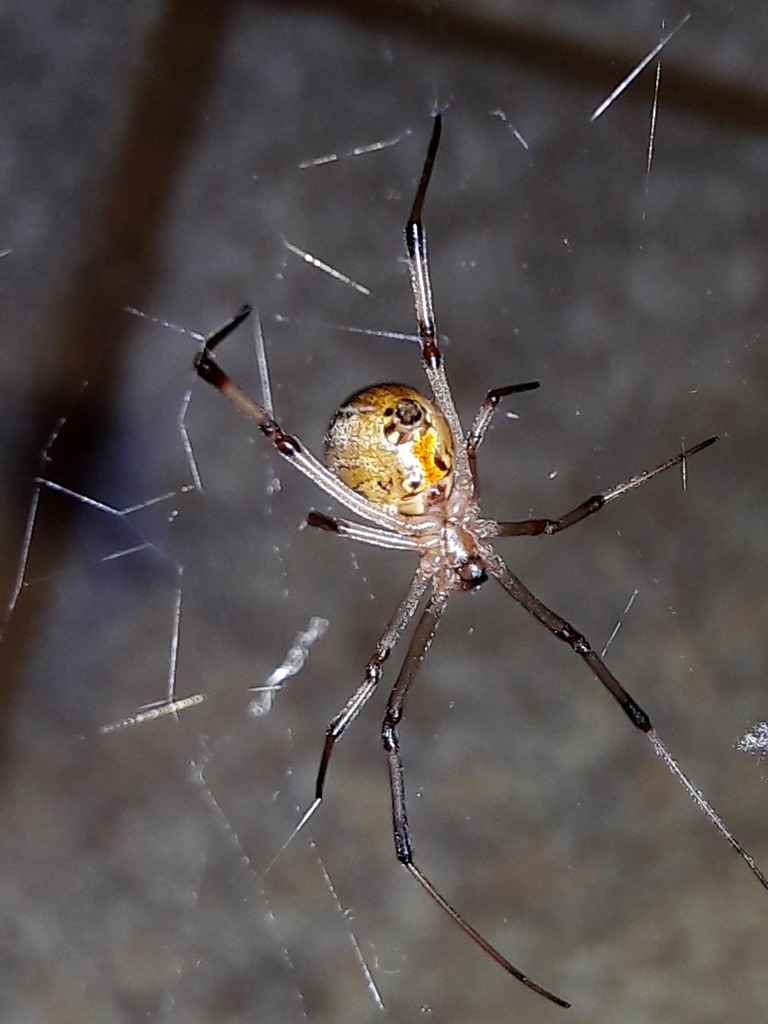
(160, 156)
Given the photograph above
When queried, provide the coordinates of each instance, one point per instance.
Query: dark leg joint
(586, 508)
(432, 356)
(388, 737)
(392, 718)
(637, 716)
(374, 669)
(574, 639)
(223, 332)
(403, 849)
(284, 443)
(322, 521)
(208, 370)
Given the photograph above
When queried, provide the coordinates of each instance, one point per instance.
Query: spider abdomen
(392, 445)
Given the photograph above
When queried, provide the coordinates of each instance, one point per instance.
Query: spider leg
(485, 414)
(373, 670)
(535, 527)
(564, 631)
(420, 644)
(341, 722)
(289, 446)
(421, 285)
(226, 329)
(360, 532)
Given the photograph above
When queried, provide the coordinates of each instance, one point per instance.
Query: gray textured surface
(129, 891)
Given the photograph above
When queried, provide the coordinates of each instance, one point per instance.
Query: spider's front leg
(212, 373)
(536, 527)
(288, 445)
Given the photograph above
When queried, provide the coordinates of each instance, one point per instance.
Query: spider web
(138, 866)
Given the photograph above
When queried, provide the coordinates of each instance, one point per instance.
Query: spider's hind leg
(565, 631)
(420, 643)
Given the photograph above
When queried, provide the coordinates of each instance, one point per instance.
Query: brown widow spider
(404, 463)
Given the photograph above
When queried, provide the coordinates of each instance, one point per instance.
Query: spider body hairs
(404, 464)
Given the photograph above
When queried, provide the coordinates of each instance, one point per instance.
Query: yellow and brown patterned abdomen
(392, 445)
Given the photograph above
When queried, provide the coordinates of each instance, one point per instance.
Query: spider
(404, 463)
